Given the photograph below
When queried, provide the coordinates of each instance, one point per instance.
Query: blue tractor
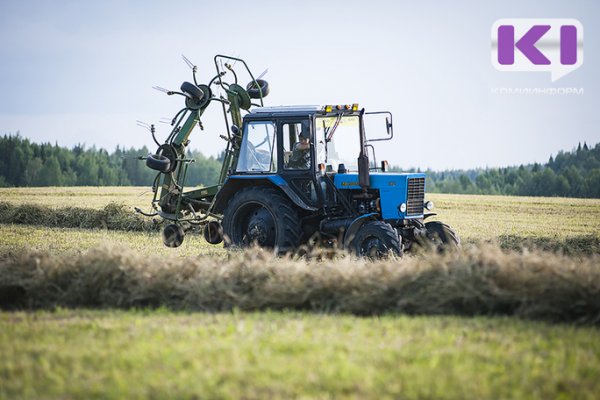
(291, 174)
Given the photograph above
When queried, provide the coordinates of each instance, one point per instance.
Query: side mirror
(235, 129)
(372, 126)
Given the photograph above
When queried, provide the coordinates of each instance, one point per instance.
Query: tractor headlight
(402, 207)
(429, 205)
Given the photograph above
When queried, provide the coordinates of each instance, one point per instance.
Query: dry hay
(573, 245)
(481, 280)
(113, 216)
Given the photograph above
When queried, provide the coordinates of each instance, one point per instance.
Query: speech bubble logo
(552, 45)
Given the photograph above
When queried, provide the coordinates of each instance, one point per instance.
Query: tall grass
(479, 281)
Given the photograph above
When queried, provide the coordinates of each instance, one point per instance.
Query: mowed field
(106, 350)
(476, 218)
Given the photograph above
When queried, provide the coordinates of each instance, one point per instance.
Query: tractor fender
(427, 215)
(234, 183)
(355, 226)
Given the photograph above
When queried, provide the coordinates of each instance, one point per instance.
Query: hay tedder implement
(290, 175)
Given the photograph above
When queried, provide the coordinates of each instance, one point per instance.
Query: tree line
(23, 163)
(573, 173)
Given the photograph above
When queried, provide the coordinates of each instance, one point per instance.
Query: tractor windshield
(338, 141)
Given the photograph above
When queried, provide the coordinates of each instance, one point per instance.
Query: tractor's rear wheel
(376, 239)
(261, 216)
(442, 236)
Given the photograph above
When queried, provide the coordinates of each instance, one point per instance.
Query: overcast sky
(82, 72)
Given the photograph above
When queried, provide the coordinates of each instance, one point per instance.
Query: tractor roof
(304, 110)
(286, 109)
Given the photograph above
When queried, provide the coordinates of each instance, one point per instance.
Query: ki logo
(537, 45)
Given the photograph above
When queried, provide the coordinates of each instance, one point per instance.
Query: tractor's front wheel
(376, 239)
(261, 216)
(442, 236)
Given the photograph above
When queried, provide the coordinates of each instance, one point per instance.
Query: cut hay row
(573, 245)
(479, 281)
(113, 217)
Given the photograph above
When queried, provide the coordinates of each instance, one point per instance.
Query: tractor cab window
(296, 145)
(258, 152)
(338, 141)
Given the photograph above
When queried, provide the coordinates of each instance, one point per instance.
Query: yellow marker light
(338, 107)
(355, 107)
(347, 107)
(328, 109)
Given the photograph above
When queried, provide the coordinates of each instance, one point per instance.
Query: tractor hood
(395, 189)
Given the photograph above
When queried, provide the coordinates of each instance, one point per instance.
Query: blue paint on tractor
(392, 188)
(275, 179)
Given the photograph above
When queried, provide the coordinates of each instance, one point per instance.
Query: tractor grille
(415, 196)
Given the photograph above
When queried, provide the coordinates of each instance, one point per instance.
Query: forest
(574, 173)
(23, 163)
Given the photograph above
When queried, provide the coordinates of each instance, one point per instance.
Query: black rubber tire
(193, 90)
(213, 232)
(173, 235)
(376, 239)
(253, 90)
(442, 236)
(158, 162)
(264, 216)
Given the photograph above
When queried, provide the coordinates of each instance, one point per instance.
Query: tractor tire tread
(386, 232)
(446, 234)
(279, 205)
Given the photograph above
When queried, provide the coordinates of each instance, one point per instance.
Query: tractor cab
(307, 146)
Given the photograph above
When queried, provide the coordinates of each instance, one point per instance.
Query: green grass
(161, 354)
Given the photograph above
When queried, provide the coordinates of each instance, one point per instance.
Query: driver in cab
(300, 158)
